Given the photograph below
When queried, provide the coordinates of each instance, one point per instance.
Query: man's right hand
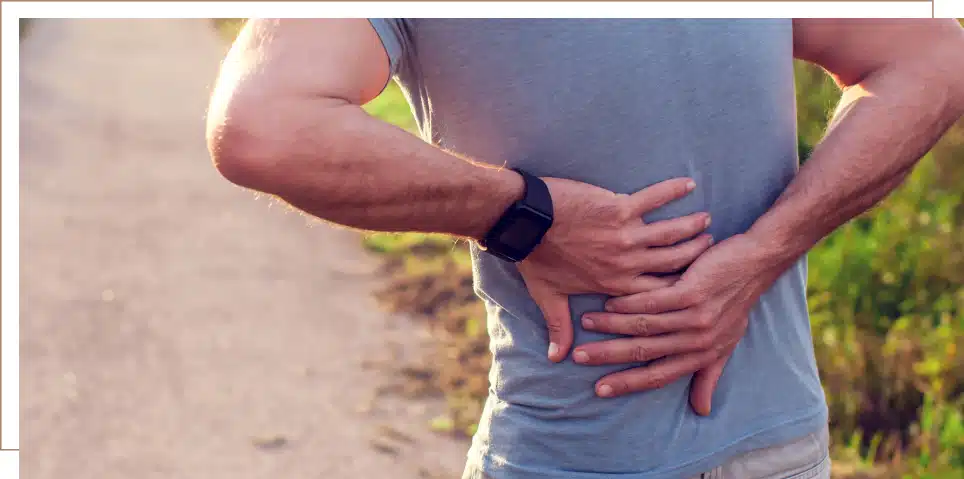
(599, 244)
(285, 119)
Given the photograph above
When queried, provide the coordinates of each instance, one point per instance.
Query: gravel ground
(175, 326)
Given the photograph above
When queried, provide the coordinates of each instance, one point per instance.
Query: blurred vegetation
(886, 295)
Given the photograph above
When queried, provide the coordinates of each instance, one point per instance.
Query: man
(687, 124)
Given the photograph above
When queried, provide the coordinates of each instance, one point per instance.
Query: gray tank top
(621, 104)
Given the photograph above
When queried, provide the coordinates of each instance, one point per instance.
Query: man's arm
(903, 86)
(286, 119)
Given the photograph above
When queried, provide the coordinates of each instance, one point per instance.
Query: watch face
(522, 233)
(519, 232)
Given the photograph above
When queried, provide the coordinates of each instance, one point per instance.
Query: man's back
(622, 104)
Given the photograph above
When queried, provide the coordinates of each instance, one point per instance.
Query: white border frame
(948, 8)
(840, 9)
(12, 12)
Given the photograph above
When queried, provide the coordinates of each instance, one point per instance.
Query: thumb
(555, 309)
(703, 386)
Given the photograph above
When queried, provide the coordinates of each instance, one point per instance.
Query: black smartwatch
(524, 223)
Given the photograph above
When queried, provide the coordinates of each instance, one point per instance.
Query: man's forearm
(882, 127)
(332, 160)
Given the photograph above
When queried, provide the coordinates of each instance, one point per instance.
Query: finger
(654, 196)
(646, 324)
(555, 309)
(669, 259)
(672, 231)
(656, 375)
(677, 297)
(704, 384)
(641, 283)
(637, 350)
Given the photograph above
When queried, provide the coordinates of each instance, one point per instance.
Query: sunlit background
(175, 323)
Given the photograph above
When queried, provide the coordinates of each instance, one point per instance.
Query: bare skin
(291, 127)
(285, 119)
(903, 87)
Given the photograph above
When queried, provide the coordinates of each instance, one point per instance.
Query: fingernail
(553, 350)
(605, 390)
(712, 240)
(587, 322)
(690, 185)
(709, 220)
(580, 357)
(609, 307)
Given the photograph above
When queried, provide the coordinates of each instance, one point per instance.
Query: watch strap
(536, 193)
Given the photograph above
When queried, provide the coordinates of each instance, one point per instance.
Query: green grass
(392, 107)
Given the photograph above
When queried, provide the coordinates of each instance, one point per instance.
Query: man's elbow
(240, 150)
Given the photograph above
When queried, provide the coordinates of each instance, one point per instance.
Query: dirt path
(173, 326)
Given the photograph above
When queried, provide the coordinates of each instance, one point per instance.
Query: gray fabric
(622, 104)
(804, 458)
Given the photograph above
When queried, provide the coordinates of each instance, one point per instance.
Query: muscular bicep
(338, 59)
(852, 49)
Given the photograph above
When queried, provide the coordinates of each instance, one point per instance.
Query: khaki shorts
(804, 458)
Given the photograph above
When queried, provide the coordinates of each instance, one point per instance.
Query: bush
(887, 311)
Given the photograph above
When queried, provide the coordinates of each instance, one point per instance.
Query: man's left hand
(690, 327)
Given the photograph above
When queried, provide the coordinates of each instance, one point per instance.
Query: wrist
(523, 224)
(503, 188)
(778, 244)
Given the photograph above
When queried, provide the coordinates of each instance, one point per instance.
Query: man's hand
(693, 325)
(599, 244)
(909, 72)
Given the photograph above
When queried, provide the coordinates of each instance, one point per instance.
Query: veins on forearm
(878, 133)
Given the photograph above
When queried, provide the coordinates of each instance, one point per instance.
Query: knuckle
(657, 380)
(639, 353)
(648, 305)
(704, 320)
(602, 356)
(624, 239)
(554, 326)
(623, 208)
(640, 326)
(663, 237)
(619, 387)
(611, 210)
